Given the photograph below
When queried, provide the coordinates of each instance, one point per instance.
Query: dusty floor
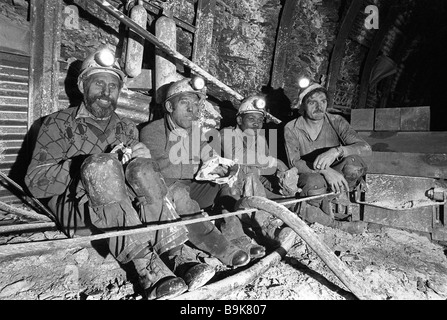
(392, 264)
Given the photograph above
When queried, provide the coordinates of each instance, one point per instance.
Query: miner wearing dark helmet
(328, 155)
(97, 177)
(172, 141)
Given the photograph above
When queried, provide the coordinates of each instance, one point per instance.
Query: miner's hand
(335, 180)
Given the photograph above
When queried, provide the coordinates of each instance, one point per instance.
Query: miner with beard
(95, 176)
(328, 153)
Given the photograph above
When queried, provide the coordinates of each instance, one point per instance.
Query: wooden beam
(27, 227)
(22, 212)
(362, 119)
(407, 142)
(282, 40)
(339, 48)
(408, 164)
(14, 37)
(387, 119)
(418, 219)
(46, 21)
(204, 32)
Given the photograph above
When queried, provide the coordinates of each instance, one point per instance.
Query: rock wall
(95, 28)
(243, 43)
(312, 39)
(17, 13)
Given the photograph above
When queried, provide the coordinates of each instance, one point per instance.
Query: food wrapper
(124, 153)
(205, 172)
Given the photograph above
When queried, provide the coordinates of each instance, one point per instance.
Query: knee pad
(144, 177)
(179, 191)
(312, 184)
(353, 170)
(103, 178)
(182, 200)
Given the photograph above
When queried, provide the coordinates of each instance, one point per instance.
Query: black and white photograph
(232, 157)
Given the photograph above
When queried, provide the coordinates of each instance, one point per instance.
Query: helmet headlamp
(304, 83)
(197, 83)
(194, 85)
(253, 104)
(105, 58)
(102, 60)
(259, 103)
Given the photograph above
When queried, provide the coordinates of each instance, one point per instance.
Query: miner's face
(101, 91)
(250, 122)
(315, 106)
(184, 109)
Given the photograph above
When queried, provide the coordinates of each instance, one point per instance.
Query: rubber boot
(231, 228)
(204, 235)
(264, 225)
(110, 207)
(147, 182)
(155, 278)
(186, 265)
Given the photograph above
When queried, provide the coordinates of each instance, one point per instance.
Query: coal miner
(261, 172)
(328, 155)
(177, 144)
(97, 177)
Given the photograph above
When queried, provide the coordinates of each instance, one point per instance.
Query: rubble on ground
(394, 264)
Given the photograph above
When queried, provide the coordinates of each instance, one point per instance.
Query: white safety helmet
(252, 104)
(310, 89)
(194, 85)
(102, 60)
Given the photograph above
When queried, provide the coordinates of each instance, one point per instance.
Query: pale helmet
(193, 85)
(310, 89)
(252, 104)
(102, 60)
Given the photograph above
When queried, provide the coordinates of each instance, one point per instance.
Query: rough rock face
(16, 13)
(96, 28)
(243, 43)
(312, 38)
